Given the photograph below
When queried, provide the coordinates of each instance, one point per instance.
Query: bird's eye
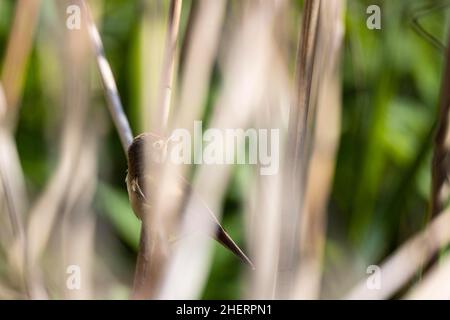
(158, 144)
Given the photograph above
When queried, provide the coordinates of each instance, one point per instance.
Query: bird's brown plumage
(141, 179)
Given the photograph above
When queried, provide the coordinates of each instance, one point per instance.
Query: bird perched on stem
(142, 177)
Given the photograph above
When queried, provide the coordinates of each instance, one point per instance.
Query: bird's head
(146, 149)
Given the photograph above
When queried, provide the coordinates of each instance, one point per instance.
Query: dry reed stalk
(13, 185)
(326, 139)
(3, 107)
(159, 223)
(78, 223)
(244, 69)
(13, 199)
(201, 52)
(263, 227)
(201, 45)
(160, 220)
(167, 73)
(109, 84)
(18, 52)
(400, 266)
(440, 161)
(13, 75)
(200, 56)
(433, 283)
(47, 207)
(151, 39)
(264, 198)
(297, 152)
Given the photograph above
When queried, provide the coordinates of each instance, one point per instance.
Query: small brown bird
(139, 180)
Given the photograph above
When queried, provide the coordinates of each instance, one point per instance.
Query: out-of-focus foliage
(391, 85)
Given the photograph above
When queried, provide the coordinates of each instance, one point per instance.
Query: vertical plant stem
(18, 52)
(299, 134)
(201, 45)
(440, 161)
(246, 65)
(151, 256)
(325, 142)
(13, 75)
(167, 72)
(109, 84)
